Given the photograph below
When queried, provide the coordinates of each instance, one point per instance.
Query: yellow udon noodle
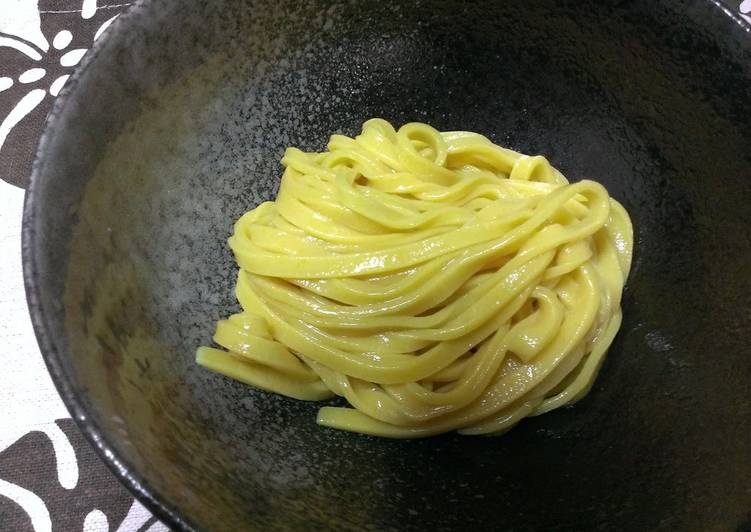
(434, 280)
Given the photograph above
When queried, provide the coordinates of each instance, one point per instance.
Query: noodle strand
(434, 280)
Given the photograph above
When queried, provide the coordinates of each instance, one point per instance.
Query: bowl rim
(52, 355)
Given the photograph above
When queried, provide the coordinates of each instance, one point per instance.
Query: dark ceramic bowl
(176, 126)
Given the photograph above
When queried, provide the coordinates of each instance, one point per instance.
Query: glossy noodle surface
(434, 280)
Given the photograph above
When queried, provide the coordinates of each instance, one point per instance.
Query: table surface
(50, 478)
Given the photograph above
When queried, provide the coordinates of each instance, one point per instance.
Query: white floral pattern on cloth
(745, 10)
(50, 478)
(41, 42)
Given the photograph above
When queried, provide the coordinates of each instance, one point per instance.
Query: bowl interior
(176, 127)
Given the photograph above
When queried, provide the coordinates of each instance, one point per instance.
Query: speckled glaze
(176, 126)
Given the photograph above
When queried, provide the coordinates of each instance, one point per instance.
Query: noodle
(434, 280)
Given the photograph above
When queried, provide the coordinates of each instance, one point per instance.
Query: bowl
(175, 126)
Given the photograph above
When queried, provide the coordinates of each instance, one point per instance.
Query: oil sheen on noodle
(434, 280)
